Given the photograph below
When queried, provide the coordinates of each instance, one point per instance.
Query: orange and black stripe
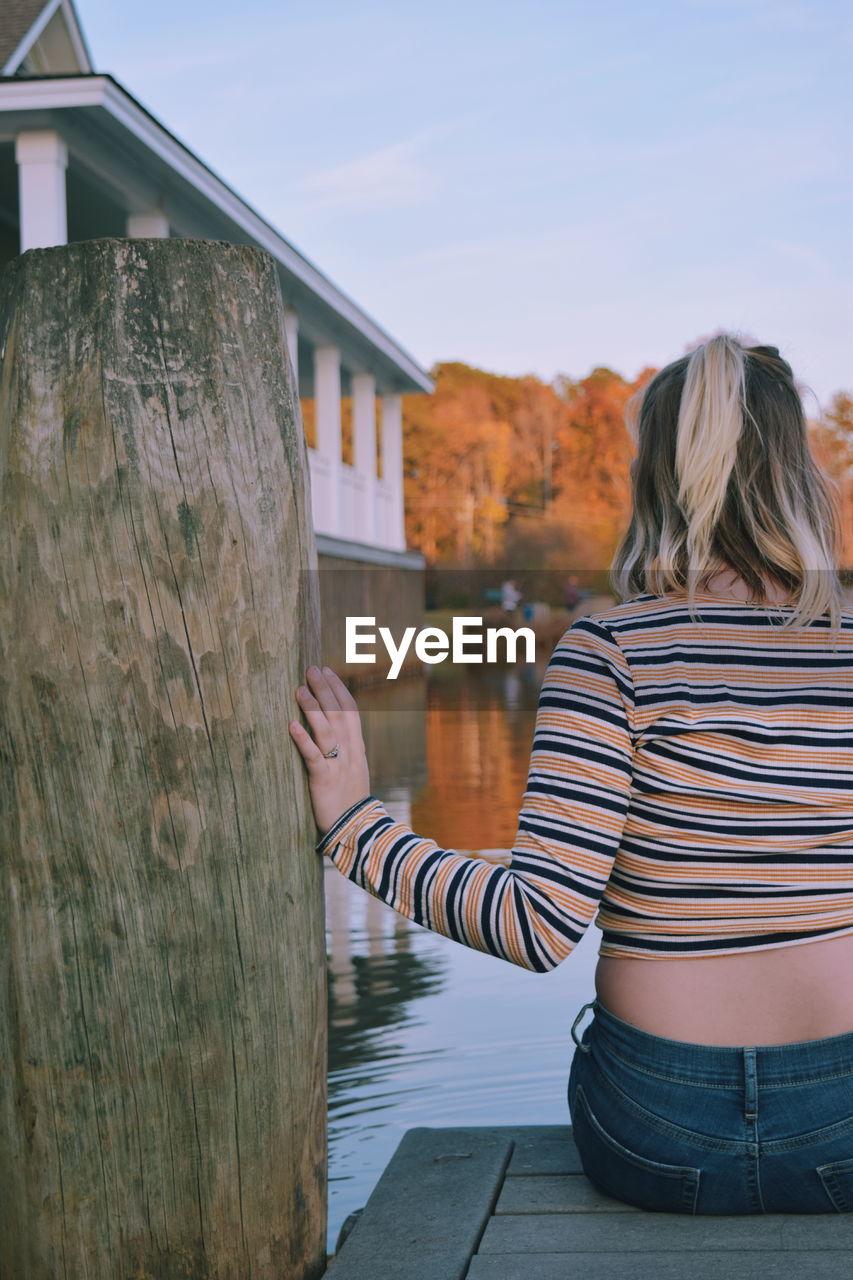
(691, 782)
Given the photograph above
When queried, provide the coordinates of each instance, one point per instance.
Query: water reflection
(374, 977)
(424, 1031)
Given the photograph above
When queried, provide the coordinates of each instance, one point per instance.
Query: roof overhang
(128, 153)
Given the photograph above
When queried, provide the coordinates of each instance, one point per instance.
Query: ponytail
(710, 423)
(725, 477)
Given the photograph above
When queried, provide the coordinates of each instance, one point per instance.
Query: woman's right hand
(338, 782)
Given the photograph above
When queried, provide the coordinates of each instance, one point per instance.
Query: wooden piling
(162, 972)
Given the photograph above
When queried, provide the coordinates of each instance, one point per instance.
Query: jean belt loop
(584, 1048)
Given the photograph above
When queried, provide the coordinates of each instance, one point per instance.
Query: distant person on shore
(572, 594)
(510, 596)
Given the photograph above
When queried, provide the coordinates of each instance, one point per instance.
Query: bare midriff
(777, 996)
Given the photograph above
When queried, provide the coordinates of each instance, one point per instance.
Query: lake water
(422, 1030)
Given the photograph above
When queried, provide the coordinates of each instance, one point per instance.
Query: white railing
(340, 506)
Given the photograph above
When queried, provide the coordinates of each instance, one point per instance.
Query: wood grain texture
(427, 1212)
(744, 1264)
(162, 982)
(556, 1193)
(667, 1232)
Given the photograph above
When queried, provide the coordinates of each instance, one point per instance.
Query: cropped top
(691, 781)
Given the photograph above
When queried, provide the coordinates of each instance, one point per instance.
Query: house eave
(89, 106)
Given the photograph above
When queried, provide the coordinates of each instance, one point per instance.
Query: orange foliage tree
(516, 469)
(456, 461)
(832, 439)
(523, 473)
(592, 501)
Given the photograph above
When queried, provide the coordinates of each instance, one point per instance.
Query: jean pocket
(837, 1182)
(627, 1176)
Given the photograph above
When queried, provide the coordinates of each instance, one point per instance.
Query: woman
(691, 778)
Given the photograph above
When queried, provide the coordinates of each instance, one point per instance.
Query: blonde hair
(725, 478)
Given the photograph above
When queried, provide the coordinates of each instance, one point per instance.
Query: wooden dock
(511, 1203)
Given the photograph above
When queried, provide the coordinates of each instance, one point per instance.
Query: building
(81, 158)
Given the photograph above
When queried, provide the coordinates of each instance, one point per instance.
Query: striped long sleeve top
(690, 786)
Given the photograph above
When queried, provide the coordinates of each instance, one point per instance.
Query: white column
(291, 333)
(153, 223)
(42, 159)
(364, 446)
(392, 467)
(327, 409)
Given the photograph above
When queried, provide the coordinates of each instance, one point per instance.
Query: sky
(538, 188)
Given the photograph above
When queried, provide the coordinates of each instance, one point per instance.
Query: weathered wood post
(162, 972)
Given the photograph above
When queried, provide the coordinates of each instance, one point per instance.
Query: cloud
(395, 176)
(792, 12)
(568, 244)
(392, 177)
(802, 254)
(160, 65)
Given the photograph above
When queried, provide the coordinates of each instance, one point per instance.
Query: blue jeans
(693, 1128)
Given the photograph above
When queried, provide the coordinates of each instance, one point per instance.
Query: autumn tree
(832, 441)
(592, 499)
(516, 468)
(456, 467)
(502, 470)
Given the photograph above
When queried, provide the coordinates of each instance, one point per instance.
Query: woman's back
(737, 851)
